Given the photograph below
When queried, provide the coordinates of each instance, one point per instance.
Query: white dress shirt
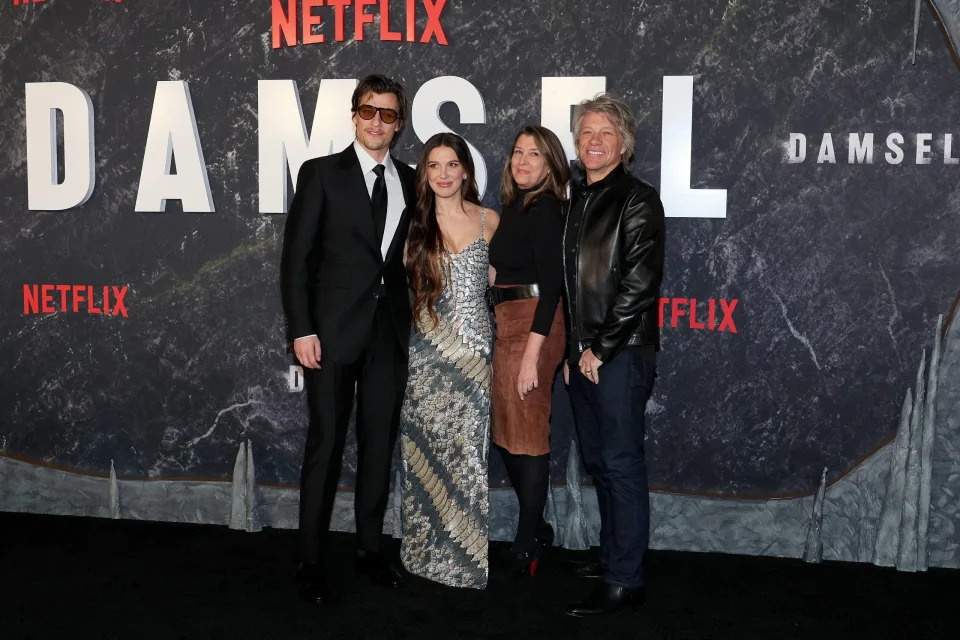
(395, 201)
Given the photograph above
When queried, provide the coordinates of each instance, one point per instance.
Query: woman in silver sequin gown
(445, 420)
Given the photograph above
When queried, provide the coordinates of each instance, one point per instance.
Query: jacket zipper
(576, 273)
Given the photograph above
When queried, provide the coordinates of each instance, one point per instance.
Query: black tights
(530, 477)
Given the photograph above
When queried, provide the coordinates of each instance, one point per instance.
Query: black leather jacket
(613, 263)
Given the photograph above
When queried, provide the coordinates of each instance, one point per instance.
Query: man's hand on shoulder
(308, 351)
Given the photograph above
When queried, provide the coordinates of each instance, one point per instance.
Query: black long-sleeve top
(528, 249)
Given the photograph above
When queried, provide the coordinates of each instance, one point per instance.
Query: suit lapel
(355, 189)
(409, 204)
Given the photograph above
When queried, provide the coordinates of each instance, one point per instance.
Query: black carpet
(86, 578)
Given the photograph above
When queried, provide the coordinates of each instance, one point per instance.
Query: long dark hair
(556, 181)
(425, 243)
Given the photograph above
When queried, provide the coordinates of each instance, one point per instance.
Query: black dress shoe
(608, 598)
(588, 570)
(311, 585)
(380, 570)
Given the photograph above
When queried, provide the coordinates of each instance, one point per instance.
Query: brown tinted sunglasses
(387, 116)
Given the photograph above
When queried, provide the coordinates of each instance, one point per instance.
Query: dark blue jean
(610, 428)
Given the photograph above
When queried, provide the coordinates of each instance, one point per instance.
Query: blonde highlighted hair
(619, 114)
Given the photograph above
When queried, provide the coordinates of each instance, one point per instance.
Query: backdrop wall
(811, 249)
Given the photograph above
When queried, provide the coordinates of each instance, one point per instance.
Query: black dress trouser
(378, 376)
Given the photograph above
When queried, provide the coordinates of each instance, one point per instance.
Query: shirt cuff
(312, 335)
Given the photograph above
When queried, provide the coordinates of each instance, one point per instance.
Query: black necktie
(378, 202)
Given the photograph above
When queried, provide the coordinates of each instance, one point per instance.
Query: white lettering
(894, 140)
(827, 153)
(923, 148)
(948, 150)
(282, 134)
(425, 114)
(295, 378)
(679, 200)
(860, 151)
(797, 148)
(173, 135)
(44, 191)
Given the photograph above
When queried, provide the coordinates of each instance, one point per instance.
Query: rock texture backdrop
(839, 270)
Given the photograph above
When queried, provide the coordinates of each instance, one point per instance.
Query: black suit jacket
(331, 265)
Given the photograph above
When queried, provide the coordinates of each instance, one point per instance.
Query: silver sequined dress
(444, 427)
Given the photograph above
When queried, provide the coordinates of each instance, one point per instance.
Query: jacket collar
(617, 172)
(356, 187)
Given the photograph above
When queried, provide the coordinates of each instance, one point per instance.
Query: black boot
(608, 598)
(378, 568)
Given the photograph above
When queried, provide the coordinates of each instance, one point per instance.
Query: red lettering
(46, 298)
(361, 17)
(64, 289)
(31, 299)
(712, 314)
(693, 315)
(78, 291)
(338, 8)
(663, 303)
(675, 311)
(310, 21)
(40, 299)
(728, 315)
(285, 23)
(90, 301)
(411, 21)
(119, 306)
(434, 28)
(385, 34)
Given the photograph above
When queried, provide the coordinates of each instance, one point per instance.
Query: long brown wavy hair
(556, 181)
(425, 244)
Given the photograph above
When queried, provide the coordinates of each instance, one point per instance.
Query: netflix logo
(715, 314)
(292, 28)
(74, 298)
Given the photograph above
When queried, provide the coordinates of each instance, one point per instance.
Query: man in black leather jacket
(613, 265)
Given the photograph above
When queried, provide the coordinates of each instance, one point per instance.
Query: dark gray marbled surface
(840, 270)
(944, 527)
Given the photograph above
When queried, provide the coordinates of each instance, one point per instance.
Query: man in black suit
(344, 293)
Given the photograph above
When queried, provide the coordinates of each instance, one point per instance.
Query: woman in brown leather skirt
(526, 255)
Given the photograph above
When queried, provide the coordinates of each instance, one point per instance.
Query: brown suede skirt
(523, 426)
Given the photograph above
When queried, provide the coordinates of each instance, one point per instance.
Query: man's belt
(496, 295)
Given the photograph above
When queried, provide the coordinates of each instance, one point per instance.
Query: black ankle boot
(606, 599)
